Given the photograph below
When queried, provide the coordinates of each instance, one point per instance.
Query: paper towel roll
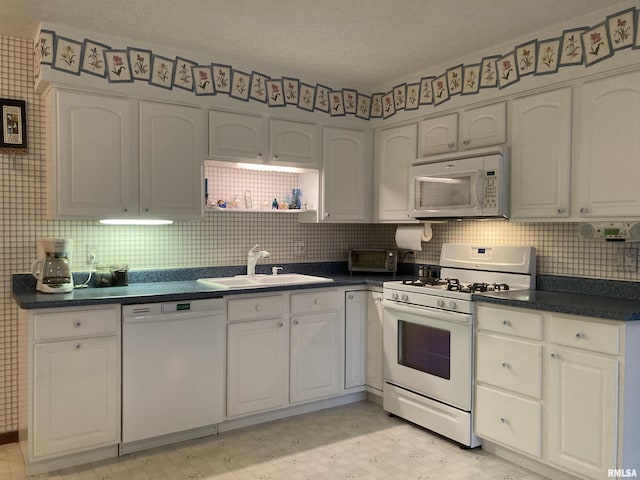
(410, 237)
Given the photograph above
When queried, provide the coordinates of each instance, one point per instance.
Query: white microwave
(469, 184)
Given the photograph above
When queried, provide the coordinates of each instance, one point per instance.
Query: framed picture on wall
(489, 72)
(336, 103)
(507, 70)
(548, 56)
(306, 97)
(426, 92)
(14, 126)
(350, 97)
(413, 96)
(376, 105)
(93, 59)
(364, 106)
(596, 44)
(117, 65)
(68, 55)
(621, 28)
(571, 52)
(183, 76)
(454, 80)
(291, 90)
(203, 79)
(471, 79)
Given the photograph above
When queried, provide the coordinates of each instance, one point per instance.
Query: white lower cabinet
(355, 369)
(73, 388)
(549, 386)
(284, 349)
(582, 411)
(75, 396)
(317, 345)
(257, 366)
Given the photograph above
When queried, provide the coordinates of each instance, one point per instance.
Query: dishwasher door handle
(167, 317)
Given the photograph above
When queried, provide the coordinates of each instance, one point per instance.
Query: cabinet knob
(405, 297)
(554, 355)
(275, 157)
(561, 211)
(257, 308)
(125, 210)
(77, 324)
(506, 323)
(466, 142)
(279, 324)
(259, 154)
(580, 336)
(504, 420)
(505, 365)
(350, 297)
(316, 302)
(584, 210)
(146, 209)
(77, 346)
(295, 322)
(440, 303)
(327, 214)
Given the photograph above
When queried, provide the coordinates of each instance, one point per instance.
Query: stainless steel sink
(261, 281)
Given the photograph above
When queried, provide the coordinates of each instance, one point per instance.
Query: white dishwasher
(173, 358)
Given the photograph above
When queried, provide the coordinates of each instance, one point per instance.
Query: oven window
(424, 348)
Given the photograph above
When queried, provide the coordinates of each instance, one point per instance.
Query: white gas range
(428, 334)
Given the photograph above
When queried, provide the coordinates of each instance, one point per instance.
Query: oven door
(428, 351)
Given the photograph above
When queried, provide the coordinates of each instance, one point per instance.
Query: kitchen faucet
(252, 258)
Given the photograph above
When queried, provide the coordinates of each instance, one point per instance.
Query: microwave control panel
(490, 189)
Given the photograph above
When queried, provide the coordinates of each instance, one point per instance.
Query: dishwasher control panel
(175, 307)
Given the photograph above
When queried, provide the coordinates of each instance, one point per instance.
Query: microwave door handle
(480, 189)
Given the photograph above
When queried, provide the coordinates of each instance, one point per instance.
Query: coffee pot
(52, 269)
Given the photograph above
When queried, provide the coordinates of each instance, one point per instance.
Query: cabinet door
(374, 340)
(609, 142)
(541, 155)
(76, 396)
(294, 143)
(317, 356)
(94, 152)
(439, 135)
(345, 191)
(355, 338)
(257, 366)
(484, 126)
(582, 411)
(396, 150)
(237, 136)
(170, 161)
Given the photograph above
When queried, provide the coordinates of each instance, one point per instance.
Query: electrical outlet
(298, 247)
(627, 259)
(90, 254)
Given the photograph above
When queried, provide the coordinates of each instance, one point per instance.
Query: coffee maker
(52, 269)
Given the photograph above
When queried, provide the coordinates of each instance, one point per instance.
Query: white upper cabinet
(170, 160)
(346, 192)
(254, 138)
(109, 160)
(479, 127)
(439, 135)
(396, 149)
(541, 155)
(609, 148)
(483, 126)
(93, 150)
(237, 136)
(294, 143)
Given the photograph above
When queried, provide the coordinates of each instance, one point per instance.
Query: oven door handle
(434, 313)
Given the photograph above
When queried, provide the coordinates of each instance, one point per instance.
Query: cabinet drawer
(508, 419)
(254, 308)
(511, 364)
(510, 322)
(81, 323)
(316, 301)
(596, 337)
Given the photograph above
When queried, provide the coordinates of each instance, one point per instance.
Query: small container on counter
(120, 275)
(103, 276)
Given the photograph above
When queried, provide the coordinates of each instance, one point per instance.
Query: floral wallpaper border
(577, 46)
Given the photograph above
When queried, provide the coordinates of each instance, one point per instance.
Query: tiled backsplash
(222, 238)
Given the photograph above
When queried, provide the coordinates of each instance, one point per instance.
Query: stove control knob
(395, 296)
(440, 303)
(405, 297)
(452, 305)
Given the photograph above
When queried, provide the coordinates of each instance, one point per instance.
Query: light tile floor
(357, 441)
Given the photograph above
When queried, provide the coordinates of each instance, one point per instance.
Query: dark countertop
(167, 290)
(607, 307)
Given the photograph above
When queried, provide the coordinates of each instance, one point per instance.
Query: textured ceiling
(348, 43)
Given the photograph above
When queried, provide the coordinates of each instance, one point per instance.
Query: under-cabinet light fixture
(133, 221)
(269, 168)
